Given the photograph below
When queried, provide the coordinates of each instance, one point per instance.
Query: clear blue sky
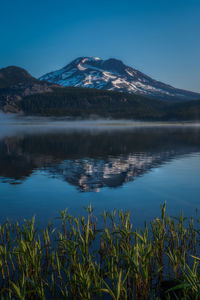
(160, 38)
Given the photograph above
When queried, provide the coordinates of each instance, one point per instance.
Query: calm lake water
(44, 170)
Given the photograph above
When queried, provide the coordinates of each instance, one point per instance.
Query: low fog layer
(11, 124)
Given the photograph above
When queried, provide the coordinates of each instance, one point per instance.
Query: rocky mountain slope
(114, 75)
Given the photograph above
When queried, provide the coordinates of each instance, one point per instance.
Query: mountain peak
(113, 74)
(13, 75)
(82, 59)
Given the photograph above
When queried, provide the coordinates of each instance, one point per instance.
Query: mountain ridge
(13, 75)
(15, 84)
(112, 74)
(23, 94)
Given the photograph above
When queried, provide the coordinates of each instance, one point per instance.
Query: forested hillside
(84, 102)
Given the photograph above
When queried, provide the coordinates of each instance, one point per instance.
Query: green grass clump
(82, 261)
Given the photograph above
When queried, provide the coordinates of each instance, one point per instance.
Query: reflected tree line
(91, 159)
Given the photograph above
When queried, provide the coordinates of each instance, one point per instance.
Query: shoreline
(51, 122)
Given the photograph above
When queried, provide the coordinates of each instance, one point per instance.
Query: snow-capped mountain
(114, 75)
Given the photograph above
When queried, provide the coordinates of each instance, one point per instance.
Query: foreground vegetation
(117, 261)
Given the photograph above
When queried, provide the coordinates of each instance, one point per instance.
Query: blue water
(135, 169)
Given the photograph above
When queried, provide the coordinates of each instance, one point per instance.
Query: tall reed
(82, 260)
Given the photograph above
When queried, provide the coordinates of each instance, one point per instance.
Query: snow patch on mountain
(112, 74)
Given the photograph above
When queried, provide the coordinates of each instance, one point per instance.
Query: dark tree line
(85, 102)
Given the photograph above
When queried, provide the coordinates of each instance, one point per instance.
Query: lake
(44, 169)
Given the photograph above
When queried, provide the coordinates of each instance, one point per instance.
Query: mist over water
(13, 124)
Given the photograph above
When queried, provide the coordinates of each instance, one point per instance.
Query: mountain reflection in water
(91, 160)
